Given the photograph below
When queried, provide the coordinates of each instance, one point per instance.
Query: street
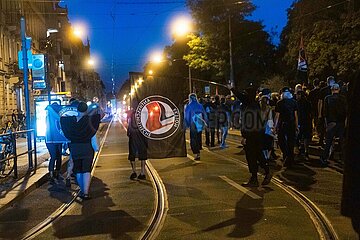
(204, 199)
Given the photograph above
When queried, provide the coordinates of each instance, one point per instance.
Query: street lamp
(181, 27)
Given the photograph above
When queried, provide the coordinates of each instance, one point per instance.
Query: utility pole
(24, 49)
(231, 80)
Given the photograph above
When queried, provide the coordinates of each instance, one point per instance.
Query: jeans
(55, 150)
(333, 129)
(224, 133)
(210, 136)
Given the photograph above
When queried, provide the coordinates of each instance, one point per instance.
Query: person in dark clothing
(217, 105)
(137, 145)
(211, 125)
(195, 119)
(253, 131)
(350, 201)
(313, 98)
(305, 124)
(80, 130)
(223, 118)
(54, 147)
(335, 116)
(286, 125)
(324, 92)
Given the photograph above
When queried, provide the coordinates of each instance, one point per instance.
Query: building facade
(48, 25)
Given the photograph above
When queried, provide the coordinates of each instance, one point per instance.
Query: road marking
(114, 169)
(241, 188)
(113, 154)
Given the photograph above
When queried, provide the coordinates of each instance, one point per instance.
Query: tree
(331, 34)
(209, 50)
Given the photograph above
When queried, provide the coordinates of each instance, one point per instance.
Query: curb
(17, 192)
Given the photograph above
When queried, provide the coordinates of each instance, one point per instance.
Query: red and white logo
(157, 117)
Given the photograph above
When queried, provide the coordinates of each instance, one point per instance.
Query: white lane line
(113, 154)
(114, 169)
(241, 188)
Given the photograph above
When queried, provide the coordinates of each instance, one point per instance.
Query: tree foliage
(331, 34)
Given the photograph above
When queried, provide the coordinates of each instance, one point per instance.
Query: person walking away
(223, 118)
(211, 125)
(253, 132)
(286, 125)
(54, 147)
(267, 119)
(217, 104)
(313, 98)
(350, 201)
(80, 130)
(335, 116)
(324, 92)
(137, 144)
(305, 124)
(195, 120)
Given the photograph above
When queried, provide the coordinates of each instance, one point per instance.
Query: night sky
(142, 26)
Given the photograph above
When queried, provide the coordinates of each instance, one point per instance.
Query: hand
(243, 141)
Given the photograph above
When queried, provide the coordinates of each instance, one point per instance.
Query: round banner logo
(157, 117)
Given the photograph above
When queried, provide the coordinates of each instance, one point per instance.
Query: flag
(302, 66)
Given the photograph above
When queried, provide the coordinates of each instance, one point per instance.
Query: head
(300, 95)
(335, 88)
(192, 98)
(322, 84)
(223, 100)
(298, 88)
(316, 82)
(207, 98)
(82, 108)
(285, 93)
(330, 80)
(264, 102)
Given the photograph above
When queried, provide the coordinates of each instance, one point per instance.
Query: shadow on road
(97, 218)
(248, 212)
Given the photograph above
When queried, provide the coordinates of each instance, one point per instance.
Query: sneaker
(253, 182)
(133, 176)
(267, 179)
(197, 157)
(84, 196)
(142, 177)
(324, 162)
(68, 182)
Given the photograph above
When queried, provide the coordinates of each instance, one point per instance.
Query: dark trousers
(55, 150)
(195, 140)
(210, 136)
(286, 139)
(333, 129)
(321, 130)
(254, 153)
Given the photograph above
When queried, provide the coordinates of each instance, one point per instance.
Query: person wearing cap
(286, 125)
(324, 92)
(80, 130)
(196, 120)
(334, 113)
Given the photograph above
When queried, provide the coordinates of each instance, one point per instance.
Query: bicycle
(6, 153)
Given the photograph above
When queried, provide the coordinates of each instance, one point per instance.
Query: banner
(302, 66)
(53, 129)
(160, 121)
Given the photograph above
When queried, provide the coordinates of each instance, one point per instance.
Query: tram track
(322, 224)
(65, 207)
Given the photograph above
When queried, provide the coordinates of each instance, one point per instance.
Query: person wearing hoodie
(195, 120)
(286, 125)
(80, 130)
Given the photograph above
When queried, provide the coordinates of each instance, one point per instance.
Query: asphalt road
(205, 200)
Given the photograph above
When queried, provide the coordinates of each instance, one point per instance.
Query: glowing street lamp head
(151, 72)
(156, 57)
(91, 62)
(181, 26)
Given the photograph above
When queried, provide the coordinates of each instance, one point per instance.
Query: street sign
(21, 61)
(207, 90)
(39, 71)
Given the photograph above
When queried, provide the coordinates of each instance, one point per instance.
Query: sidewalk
(13, 189)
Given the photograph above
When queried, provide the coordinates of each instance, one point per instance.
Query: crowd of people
(293, 118)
